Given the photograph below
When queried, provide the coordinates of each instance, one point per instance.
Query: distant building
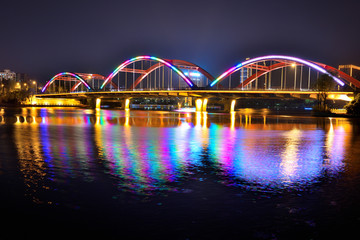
(6, 74)
(7, 80)
(22, 77)
(11, 81)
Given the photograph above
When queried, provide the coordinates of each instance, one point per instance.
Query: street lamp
(35, 83)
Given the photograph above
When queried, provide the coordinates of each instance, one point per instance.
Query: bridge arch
(140, 58)
(66, 74)
(175, 63)
(200, 69)
(322, 68)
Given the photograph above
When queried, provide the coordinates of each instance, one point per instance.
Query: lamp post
(294, 66)
(35, 83)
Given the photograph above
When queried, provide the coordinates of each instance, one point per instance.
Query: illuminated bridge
(272, 76)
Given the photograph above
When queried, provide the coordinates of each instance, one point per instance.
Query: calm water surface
(171, 175)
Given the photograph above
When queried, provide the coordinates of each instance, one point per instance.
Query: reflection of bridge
(174, 143)
(147, 76)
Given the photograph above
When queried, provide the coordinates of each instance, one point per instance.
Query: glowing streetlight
(35, 83)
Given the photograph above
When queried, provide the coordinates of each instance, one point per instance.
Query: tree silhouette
(353, 107)
(323, 85)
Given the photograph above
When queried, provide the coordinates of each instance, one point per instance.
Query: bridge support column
(204, 104)
(93, 103)
(232, 106)
(229, 105)
(98, 103)
(201, 104)
(125, 104)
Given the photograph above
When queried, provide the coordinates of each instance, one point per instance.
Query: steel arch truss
(180, 64)
(281, 61)
(63, 76)
(276, 62)
(144, 73)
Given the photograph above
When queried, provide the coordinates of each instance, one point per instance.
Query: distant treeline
(14, 97)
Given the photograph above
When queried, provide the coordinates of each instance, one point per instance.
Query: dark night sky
(43, 38)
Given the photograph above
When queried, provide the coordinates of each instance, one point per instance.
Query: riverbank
(329, 114)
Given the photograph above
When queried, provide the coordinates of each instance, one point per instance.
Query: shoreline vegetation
(14, 98)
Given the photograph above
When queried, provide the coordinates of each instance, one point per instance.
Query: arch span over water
(316, 66)
(64, 74)
(140, 58)
(283, 61)
(174, 62)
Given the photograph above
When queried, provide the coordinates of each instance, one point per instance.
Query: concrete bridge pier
(93, 103)
(232, 106)
(229, 105)
(125, 104)
(201, 104)
(98, 103)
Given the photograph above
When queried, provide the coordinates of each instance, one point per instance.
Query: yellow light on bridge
(204, 105)
(232, 107)
(98, 103)
(343, 97)
(198, 104)
(127, 104)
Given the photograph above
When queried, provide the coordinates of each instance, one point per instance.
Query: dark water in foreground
(78, 173)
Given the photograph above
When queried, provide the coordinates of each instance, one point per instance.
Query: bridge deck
(185, 93)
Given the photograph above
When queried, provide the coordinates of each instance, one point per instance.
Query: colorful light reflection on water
(145, 152)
